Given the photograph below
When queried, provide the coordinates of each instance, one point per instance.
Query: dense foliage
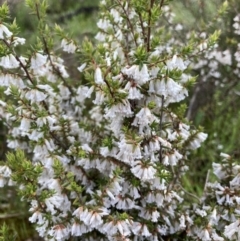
(101, 154)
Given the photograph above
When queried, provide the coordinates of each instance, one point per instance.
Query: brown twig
(129, 23)
(49, 55)
(149, 25)
(160, 128)
(142, 27)
(161, 4)
(20, 62)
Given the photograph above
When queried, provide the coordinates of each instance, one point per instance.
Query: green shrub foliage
(101, 155)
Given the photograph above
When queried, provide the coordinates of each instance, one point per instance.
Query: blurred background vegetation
(214, 101)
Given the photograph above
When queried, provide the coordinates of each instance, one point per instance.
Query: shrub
(102, 156)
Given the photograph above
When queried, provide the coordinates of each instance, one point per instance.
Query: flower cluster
(108, 152)
(217, 216)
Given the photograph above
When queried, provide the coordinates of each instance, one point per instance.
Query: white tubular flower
(152, 147)
(119, 35)
(123, 203)
(237, 18)
(93, 219)
(13, 144)
(155, 216)
(175, 91)
(53, 184)
(64, 92)
(143, 172)
(58, 63)
(123, 227)
(182, 222)
(163, 229)
(68, 46)
(235, 183)
(5, 174)
(8, 79)
(90, 218)
(128, 152)
(104, 24)
(78, 212)
(9, 62)
(25, 124)
(140, 229)
(216, 237)
(35, 95)
(98, 76)
(101, 37)
(139, 74)
(53, 202)
(17, 41)
(45, 120)
(38, 60)
(82, 67)
(154, 72)
(142, 75)
(134, 193)
(83, 92)
(136, 228)
(226, 156)
(5, 171)
(110, 194)
(166, 160)
(204, 235)
(122, 109)
(231, 229)
(109, 228)
(100, 97)
(143, 118)
(176, 63)
(37, 217)
(149, 214)
(86, 163)
(214, 218)
(174, 157)
(43, 228)
(76, 229)
(200, 212)
(115, 186)
(4, 31)
(196, 143)
(184, 131)
(3, 181)
(133, 92)
(203, 46)
(116, 16)
(171, 90)
(60, 232)
(79, 229)
(5, 80)
(108, 60)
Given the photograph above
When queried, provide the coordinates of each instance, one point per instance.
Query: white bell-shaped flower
(98, 76)
(4, 31)
(176, 63)
(143, 172)
(68, 46)
(9, 62)
(139, 74)
(38, 60)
